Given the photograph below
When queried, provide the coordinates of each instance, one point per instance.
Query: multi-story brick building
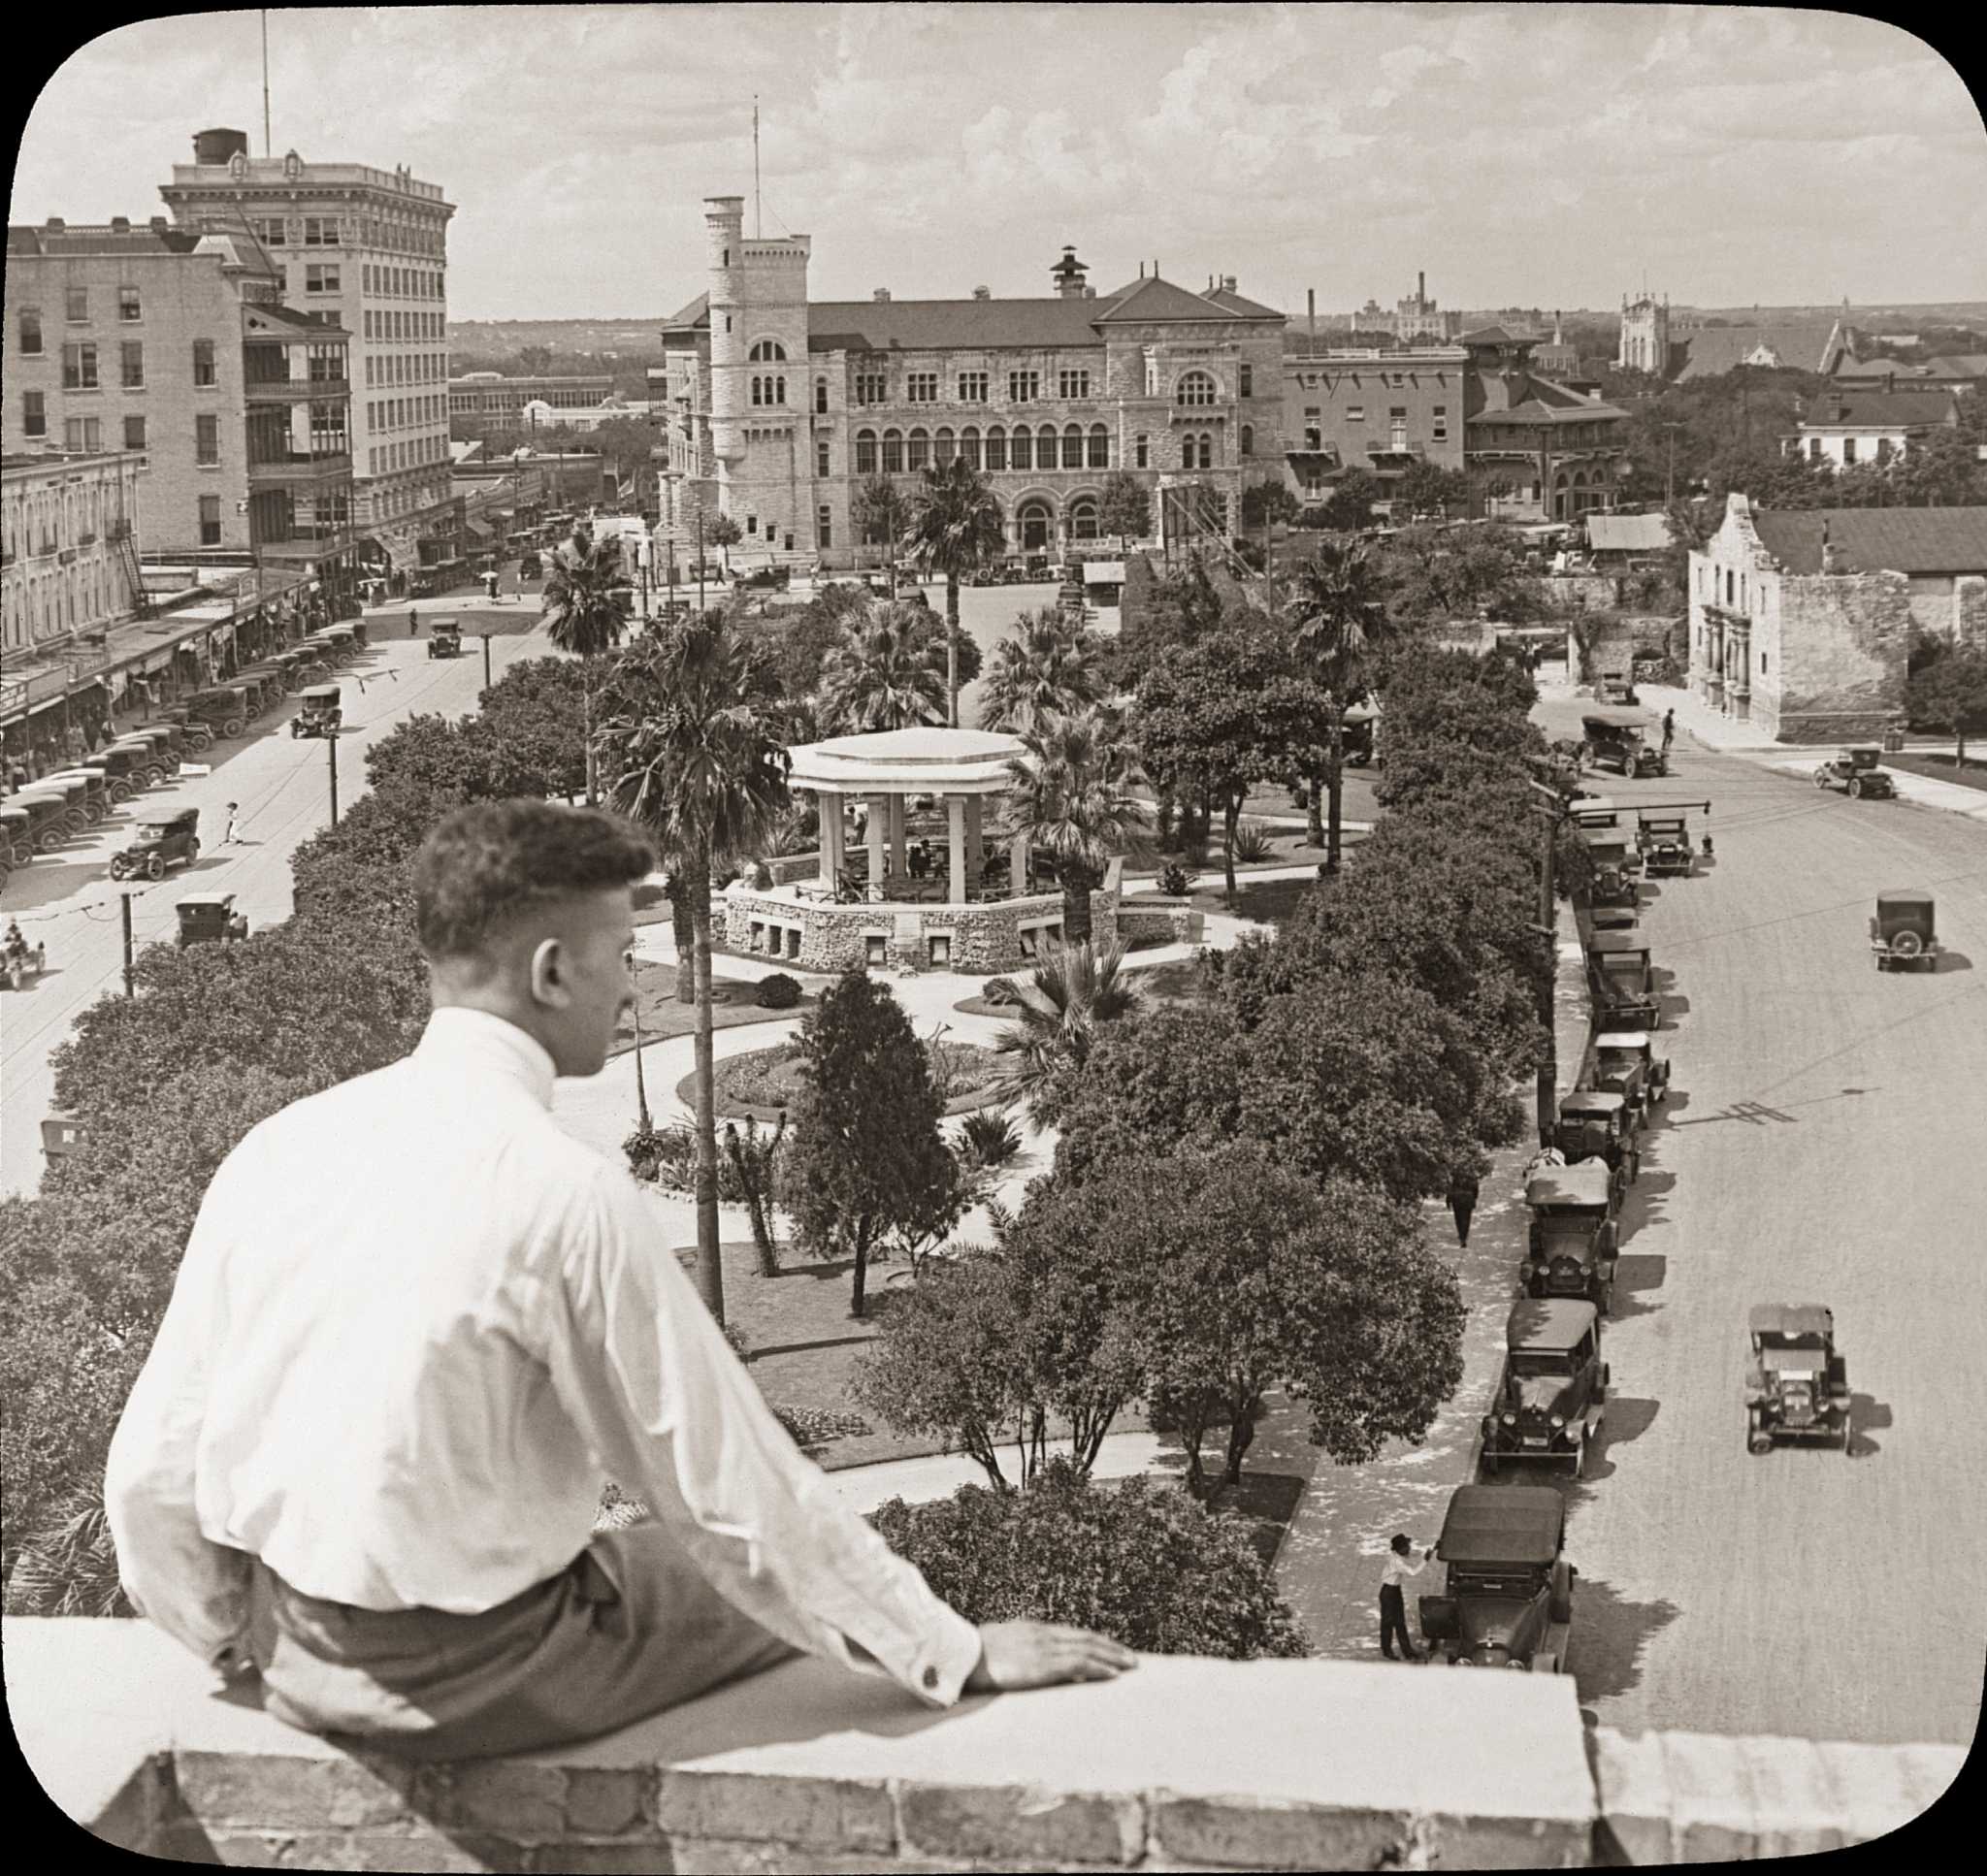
(481, 402)
(371, 248)
(1370, 410)
(1533, 449)
(780, 406)
(174, 344)
(1419, 317)
(67, 524)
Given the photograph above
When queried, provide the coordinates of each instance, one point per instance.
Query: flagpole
(265, 80)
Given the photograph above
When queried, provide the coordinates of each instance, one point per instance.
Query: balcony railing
(296, 390)
(289, 469)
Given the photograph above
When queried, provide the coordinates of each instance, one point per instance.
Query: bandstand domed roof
(927, 760)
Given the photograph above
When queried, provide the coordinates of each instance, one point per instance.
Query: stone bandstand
(905, 874)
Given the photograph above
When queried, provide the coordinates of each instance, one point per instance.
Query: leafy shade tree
(1437, 575)
(881, 513)
(1226, 713)
(695, 768)
(867, 1163)
(798, 642)
(1060, 1009)
(955, 529)
(1942, 469)
(1264, 503)
(1046, 665)
(537, 712)
(1337, 608)
(581, 616)
(882, 675)
(1124, 507)
(1348, 507)
(1235, 1277)
(1136, 1560)
(534, 360)
(1427, 488)
(1950, 694)
(1070, 795)
(721, 532)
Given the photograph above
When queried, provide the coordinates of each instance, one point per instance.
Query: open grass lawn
(1941, 768)
(732, 1004)
(1263, 901)
(760, 1084)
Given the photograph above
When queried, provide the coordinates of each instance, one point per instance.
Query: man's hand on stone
(1015, 1655)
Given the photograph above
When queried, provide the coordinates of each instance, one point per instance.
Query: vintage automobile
(1573, 1240)
(1618, 687)
(61, 1135)
(210, 918)
(93, 784)
(1664, 841)
(445, 640)
(1900, 932)
(1626, 1063)
(344, 641)
(1615, 866)
(1797, 1387)
(1612, 918)
(773, 578)
(530, 567)
(1549, 1401)
(1508, 1598)
(169, 744)
(1858, 773)
(160, 841)
(314, 668)
(22, 963)
(1595, 1123)
(357, 627)
(1587, 811)
(16, 834)
(268, 680)
(1614, 742)
(51, 820)
(320, 713)
(1623, 982)
(1361, 723)
(222, 709)
(74, 794)
(128, 767)
(198, 734)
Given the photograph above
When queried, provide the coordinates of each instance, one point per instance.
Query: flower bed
(762, 1084)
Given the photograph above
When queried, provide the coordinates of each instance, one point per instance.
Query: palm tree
(1070, 794)
(878, 507)
(581, 615)
(954, 527)
(881, 676)
(1337, 605)
(696, 767)
(1045, 666)
(1058, 1013)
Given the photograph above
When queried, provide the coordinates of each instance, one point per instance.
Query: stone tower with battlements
(1645, 335)
(760, 386)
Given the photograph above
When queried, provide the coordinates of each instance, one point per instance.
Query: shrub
(1138, 1560)
(1000, 989)
(1254, 842)
(988, 1138)
(667, 1156)
(1175, 882)
(779, 992)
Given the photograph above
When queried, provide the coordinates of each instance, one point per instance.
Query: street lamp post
(485, 636)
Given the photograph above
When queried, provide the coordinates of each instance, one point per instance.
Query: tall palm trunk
(710, 1270)
(1076, 903)
(1335, 785)
(951, 649)
(1232, 821)
(586, 693)
(1313, 812)
(685, 934)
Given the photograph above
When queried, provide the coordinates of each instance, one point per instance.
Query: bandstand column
(899, 861)
(955, 846)
(877, 831)
(976, 837)
(828, 810)
(1018, 864)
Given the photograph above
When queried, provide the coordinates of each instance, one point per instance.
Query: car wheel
(233, 726)
(1758, 1440)
(1855, 787)
(1821, 778)
(116, 867)
(192, 849)
(1489, 1463)
(1559, 1606)
(154, 867)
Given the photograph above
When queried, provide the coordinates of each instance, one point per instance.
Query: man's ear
(548, 974)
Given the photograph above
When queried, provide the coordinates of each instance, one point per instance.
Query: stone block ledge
(1183, 1763)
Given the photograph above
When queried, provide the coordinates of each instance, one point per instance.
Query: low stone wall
(1149, 921)
(1184, 1763)
(979, 939)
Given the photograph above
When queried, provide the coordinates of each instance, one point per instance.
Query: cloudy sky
(1524, 155)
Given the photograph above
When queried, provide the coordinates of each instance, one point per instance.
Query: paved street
(68, 901)
(1821, 1143)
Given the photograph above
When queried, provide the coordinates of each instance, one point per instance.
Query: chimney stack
(881, 294)
(1421, 289)
(55, 224)
(1310, 313)
(121, 224)
(983, 293)
(1227, 283)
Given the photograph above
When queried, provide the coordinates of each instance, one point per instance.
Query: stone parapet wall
(1836, 648)
(1146, 921)
(983, 939)
(1183, 1763)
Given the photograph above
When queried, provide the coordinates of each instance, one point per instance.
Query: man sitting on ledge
(416, 1325)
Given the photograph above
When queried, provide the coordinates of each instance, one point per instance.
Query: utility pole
(128, 988)
(1550, 816)
(331, 750)
(485, 636)
(758, 228)
(699, 559)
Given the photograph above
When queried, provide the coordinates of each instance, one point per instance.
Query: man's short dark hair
(484, 865)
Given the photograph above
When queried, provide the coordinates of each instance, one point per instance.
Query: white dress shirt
(415, 1327)
(1398, 1569)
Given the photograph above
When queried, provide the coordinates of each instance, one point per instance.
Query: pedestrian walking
(1393, 1607)
(490, 584)
(510, 1625)
(1463, 1188)
(228, 839)
(1669, 729)
(414, 623)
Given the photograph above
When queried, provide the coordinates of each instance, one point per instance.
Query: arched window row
(1196, 452)
(994, 449)
(768, 349)
(769, 390)
(1195, 388)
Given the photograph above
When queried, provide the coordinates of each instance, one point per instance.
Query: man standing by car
(1669, 729)
(366, 1453)
(1393, 1607)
